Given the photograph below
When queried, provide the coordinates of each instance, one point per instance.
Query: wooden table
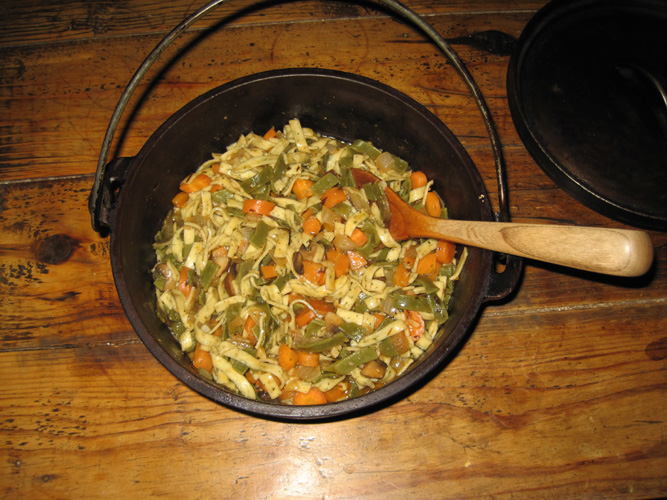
(560, 391)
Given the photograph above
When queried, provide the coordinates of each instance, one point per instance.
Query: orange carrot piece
(357, 260)
(416, 325)
(379, 318)
(269, 271)
(312, 397)
(305, 316)
(445, 251)
(314, 272)
(183, 285)
(340, 261)
(249, 324)
(308, 214)
(312, 226)
(215, 187)
(401, 275)
(202, 359)
(287, 357)
(433, 206)
(359, 237)
(418, 179)
(321, 306)
(339, 391)
(333, 196)
(427, 264)
(311, 359)
(270, 134)
(301, 188)
(261, 207)
(197, 184)
(180, 199)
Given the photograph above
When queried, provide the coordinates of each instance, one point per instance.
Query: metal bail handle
(98, 196)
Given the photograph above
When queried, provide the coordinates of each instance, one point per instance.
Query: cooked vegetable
(278, 276)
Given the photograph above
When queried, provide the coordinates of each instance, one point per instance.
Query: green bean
(324, 183)
(365, 148)
(259, 235)
(321, 344)
(207, 275)
(346, 365)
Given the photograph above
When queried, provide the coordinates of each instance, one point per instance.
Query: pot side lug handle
(502, 283)
(104, 194)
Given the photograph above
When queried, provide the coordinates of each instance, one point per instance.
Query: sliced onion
(344, 243)
(384, 162)
(332, 321)
(388, 306)
(357, 199)
(329, 218)
(308, 373)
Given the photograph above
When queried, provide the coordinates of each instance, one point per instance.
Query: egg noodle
(277, 274)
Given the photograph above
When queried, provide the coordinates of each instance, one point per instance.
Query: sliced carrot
(418, 179)
(321, 306)
(308, 214)
(445, 251)
(202, 359)
(416, 325)
(183, 284)
(427, 264)
(359, 237)
(433, 206)
(339, 391)
(180, 199)
(305, 316)
(401, 275)
(249, 324)
(312, 226)
(197, 184)
(216, 168)
(313, 397)
(314, 272)
(311, 359)
(270, 134)
(215, 187)
(357, 260)
(379, 318)
(269, 271)
(340, 261)
(261, 207)
(287, 357)
(333, 196)
(301, 188)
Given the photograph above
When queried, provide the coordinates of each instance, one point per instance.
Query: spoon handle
(618, 252)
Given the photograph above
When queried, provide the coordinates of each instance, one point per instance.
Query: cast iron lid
(587, 92)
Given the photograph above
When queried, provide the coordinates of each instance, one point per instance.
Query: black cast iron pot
(134, 195)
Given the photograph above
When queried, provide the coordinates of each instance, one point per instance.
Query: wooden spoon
(618, 252)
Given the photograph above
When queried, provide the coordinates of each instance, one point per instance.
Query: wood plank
(50, 21)
(56, 284)
(54, 118)
(574, 414)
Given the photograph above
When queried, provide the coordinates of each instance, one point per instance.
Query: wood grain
(558, 393)
(62, 116)
(477, 429)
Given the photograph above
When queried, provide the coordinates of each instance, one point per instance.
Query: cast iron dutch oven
(132, 196)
